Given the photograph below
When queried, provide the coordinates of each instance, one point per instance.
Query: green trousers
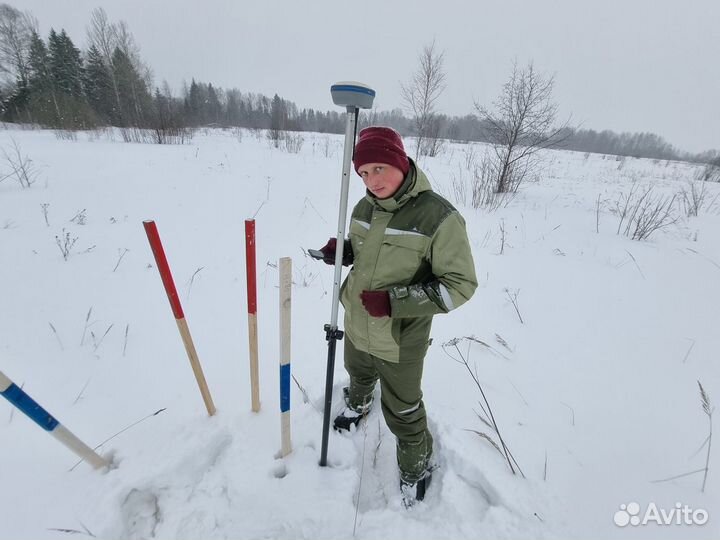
(401, 400)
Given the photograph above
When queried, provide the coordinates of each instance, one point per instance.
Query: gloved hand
(376, 303)
(328, 251)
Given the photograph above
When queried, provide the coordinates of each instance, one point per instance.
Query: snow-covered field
(595, 392)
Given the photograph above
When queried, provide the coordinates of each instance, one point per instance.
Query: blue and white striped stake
(15, 395)
(285, 267)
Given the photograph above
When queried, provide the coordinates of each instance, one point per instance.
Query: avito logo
(681, 514)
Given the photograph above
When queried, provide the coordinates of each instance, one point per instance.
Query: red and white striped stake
(167, 279)
(250, 270)
(285, 267)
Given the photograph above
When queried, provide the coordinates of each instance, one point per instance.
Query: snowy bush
(694, 198)
(66, 134)
(65, 243)
(159, 135)
(711, 173)
(284, 140)
(475, 185)
(326, 146)
(21, 167)
(80, 217)
(641, 214)
(292, 142)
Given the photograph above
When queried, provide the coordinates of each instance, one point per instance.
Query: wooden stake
(285, 267)
(167, 279)
(17, 396)
(195, 364)
(250, 271)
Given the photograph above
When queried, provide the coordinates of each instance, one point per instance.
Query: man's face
(381, 179)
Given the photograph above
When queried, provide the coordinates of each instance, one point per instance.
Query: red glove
(328, 250)
(377, 303)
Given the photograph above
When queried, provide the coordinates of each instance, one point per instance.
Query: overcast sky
(625, 65)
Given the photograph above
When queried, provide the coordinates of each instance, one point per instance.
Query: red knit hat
(380, 145)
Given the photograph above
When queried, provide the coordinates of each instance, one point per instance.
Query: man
(410, 260)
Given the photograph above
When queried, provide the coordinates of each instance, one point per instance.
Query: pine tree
(213, 106)
(278, 114)
(98, 86)
(278, 120)
(38, 65)
(195, 102)
(232, 110)
(65, 64)
(66, 76)
(43, 105)
(135, 99)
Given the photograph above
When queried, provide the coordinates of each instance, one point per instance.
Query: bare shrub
(484, 187)
(157, 135)
(327, 147)
(134, 135)
(257, 133)
(80, 217)
(65, 243)
(470, 156)
(172, 135)
(694, 197)
(292, 142)
(460, 186)
(21, 166)
(96, 134)
(711, 172)
(45, 207)
(66, 134)
(643, 213)
(433, 144)
(275, 136)
(474, 184)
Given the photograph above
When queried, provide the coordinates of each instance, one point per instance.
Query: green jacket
(415, 246)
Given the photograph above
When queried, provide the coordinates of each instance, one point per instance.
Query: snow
(595, 394)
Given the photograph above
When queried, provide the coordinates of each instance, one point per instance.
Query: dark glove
(377, 303)
(328, 250)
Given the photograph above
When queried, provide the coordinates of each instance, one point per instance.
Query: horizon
(621, 73)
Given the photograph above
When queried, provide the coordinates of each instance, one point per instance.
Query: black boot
(412, 492)
(349, 416)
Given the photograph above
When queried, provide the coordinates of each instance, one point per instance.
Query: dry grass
(641, 213)
(488, 416)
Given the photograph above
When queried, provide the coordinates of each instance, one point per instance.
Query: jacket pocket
(381, 341)
(401, 256)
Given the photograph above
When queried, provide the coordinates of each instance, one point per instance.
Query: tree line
(49, 81)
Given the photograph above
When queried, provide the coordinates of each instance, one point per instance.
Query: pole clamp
(333, 333)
